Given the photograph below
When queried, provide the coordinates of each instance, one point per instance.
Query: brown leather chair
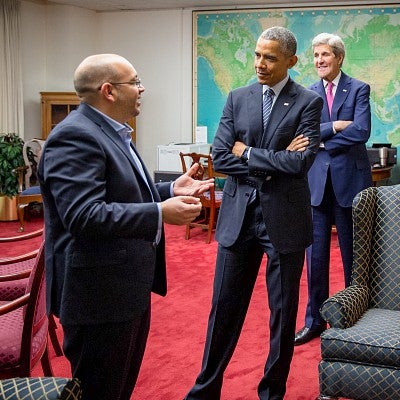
(24, 327)
(28, 185)
(18, 269)
(211, 200)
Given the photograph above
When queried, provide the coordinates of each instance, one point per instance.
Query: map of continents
(224, 45)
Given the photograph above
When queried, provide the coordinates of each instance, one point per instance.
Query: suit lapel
(320, 89)
(283, 104)
(115, 138)
(149, 182)
(254, 109)
(342, 91)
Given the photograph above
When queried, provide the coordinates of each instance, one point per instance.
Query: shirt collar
(278, 87)
(335, 81)
(123, 130)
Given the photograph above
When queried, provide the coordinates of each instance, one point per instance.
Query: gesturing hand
(185, 185)
(180, 210)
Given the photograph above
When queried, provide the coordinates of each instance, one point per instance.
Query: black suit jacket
(280, 175)
(101, 223)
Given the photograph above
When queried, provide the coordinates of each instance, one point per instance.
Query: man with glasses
(104, 218)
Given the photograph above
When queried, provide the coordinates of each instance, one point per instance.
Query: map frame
(375, 68)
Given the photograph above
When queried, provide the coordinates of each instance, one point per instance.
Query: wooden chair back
(15, 272)
(211, 200)
(28, 185)
(24, 327)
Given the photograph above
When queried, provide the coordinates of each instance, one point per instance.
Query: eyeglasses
(136, 82)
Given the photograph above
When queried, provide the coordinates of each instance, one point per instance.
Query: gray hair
(333, 41)
(284, 37)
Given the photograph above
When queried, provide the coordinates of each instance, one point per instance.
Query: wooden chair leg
(21, 216)
(46, 365)
(187, 236)
(211, 222)
(53, 336)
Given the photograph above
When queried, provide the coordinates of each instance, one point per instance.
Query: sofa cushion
(355, 381)
(373, 340)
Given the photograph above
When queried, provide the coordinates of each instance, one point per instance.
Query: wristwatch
(245, 155)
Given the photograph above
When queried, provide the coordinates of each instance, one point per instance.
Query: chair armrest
(22, 257)
(345, 308)
(14, 304)
(25, 236)
(15, 277)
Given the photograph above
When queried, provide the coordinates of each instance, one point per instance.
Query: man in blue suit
(340, 170)
(104, 229)
(265, 210)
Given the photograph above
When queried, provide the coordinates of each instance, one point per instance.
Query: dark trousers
(327, 214)
(235, 275)
(107, 357)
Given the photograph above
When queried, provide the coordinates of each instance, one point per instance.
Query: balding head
(109, 83)
(94, 70)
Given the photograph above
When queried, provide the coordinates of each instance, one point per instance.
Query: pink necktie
(329, 96)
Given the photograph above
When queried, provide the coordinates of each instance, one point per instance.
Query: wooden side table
(380, 174)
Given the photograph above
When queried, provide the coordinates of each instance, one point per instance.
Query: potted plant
(10, 158)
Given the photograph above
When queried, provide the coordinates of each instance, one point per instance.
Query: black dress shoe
(306, 334)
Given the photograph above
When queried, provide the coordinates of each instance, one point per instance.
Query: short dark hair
(285, 38)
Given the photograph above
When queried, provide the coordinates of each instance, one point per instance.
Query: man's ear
(292, 61)
(340, 60)
(106, 90)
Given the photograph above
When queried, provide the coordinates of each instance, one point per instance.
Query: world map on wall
(224, 44)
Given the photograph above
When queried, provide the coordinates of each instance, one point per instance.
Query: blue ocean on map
(208, 96)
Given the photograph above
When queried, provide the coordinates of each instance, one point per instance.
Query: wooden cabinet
(57, 105)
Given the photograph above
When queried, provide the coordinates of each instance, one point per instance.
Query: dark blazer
(344, 153)
(280, 175)
(101, 222)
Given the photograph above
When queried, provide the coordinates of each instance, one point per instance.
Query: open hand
(185, 185)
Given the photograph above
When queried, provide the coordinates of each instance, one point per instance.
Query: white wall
(33, 44)
(54, 41)
(159, 44)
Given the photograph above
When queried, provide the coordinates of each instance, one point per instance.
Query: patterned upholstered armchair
(361, 350)
(42, 388)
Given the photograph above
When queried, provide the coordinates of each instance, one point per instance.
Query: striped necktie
(267, 105)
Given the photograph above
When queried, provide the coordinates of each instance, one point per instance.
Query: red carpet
(9, 229)
(174, 350)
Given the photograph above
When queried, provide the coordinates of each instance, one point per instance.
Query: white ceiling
(124, 5)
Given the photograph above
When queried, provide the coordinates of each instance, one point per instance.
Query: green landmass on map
(371, 37)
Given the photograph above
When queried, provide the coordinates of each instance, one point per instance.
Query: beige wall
(159, 44)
